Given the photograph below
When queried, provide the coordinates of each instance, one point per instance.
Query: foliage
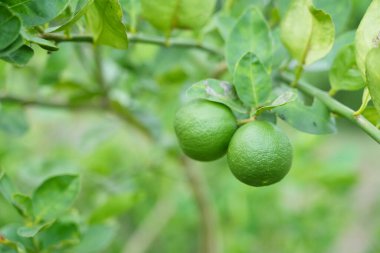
(83, 179)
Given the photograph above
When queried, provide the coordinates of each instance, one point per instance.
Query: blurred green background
(144, 197)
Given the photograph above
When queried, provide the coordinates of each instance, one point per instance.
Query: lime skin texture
(204, 129)
(259, 154)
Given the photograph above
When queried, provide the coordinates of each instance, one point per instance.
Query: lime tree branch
(142, 39)
(335, 106)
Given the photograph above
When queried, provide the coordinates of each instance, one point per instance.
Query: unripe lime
(204, 129)
(259, 154)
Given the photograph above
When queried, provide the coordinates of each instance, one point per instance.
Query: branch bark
(142, 39)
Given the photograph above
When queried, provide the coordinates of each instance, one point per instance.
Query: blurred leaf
(105, 20)
(19, 57)
(13, 120)
(217, 91)
(367, 35)
(54, 196)
(251, 33)
(32, 231)
(373, 76)
(283, 99)
(372, 115)
(224, 23)
(80, 10)
(45, 44)
(7, 188)
(10, 26)
(37, 12)
(114, 206)
(314, 119)
(252, 81)
(59, 236)
(12, 47)
(23, 204)
(340, 11)
(54, 69)
(306, 32)
(166, 15)
(344, 73)
(96, 239)
(20, 244)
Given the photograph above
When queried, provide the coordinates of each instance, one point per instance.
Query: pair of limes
(258, 153)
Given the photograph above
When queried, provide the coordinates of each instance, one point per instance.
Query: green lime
(259, 154)
(204, 129)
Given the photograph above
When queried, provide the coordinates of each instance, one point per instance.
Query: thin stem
(210, 240)
(335, 106)
(99, 74)
(134, 38)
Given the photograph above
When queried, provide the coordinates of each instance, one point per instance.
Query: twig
(143, 39)
(335, 106)
(210, 240)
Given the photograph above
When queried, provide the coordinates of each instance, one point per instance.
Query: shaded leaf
(252, 34)
(23, 204)
(344, 73)
(252, 81)
(33, 230)
(105, 20)
(283, 99)
(367, 35)
(37, 12)
(19, 57)
(13, 47)
(217, 91)
(96, 239)
(7, 188)
(10, 25)
(60, 236)
(314, 119)
(45, 44)
(54, 196)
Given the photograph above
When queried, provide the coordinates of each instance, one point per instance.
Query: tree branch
(335, 106)
(210, 240)
(143, 39)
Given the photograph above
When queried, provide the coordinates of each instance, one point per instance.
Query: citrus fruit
(259, 154)
(204, 129)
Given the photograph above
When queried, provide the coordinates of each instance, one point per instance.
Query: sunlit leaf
(367, 35)
(20, 56)
(373, 76)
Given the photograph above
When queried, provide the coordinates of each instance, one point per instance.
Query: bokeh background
(141, 195)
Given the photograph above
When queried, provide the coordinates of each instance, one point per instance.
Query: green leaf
(367, 35)
(283, 99)
(7, 188)
(252, 81)
(252, 34)
(166, 15)
(32, 231)
(54, 196)
(96, 239)
(373, 76)
(37, 12)
(13, 120)
(10, 25)
(12, 47)
(217, 91)
(80, 11)
(340, 11)
(45, 44)
(314, 119)
(371, 114)
(23, 204)
(105, 20)
(19, 57)
(344, 73)
(59, 236)
(306, 32)
(113, 207)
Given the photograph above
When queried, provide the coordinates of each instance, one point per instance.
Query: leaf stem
(142, 39)
(335, 106)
